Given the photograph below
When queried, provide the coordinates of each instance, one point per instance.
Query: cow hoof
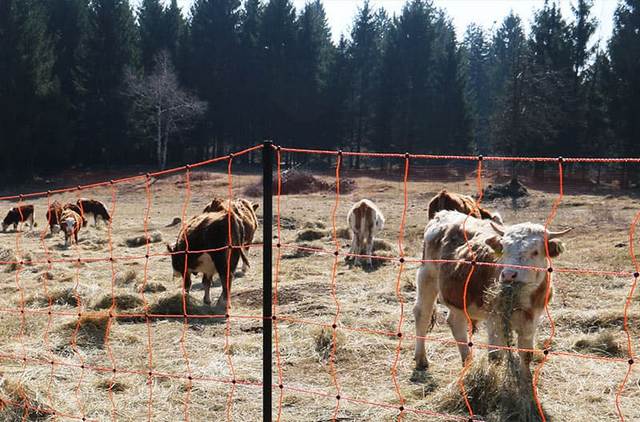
(422, 376)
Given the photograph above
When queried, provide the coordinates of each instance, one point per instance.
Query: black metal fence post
(267, 295)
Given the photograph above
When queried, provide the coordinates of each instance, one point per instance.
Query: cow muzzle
(509, 275)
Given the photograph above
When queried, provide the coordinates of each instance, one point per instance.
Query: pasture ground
(373, 306)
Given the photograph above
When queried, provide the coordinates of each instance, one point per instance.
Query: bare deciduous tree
(166, 107)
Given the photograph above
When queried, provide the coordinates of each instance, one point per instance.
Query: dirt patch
(253, 298)
(174, 305)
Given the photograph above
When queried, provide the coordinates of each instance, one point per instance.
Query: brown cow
(246, 211)
(209, 232)
(70, 223)
(17, 215)
(365, 221)
(94, 208)
(462, 203)
(54, 212)
(517, 245)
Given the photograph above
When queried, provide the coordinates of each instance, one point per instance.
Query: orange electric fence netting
(281, 385)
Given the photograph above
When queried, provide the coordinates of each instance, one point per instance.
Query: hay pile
(90, 329)
(19, 403)
(297, 182)
(7, 255)
(123, 301)
(495, 387)
(513, 189)
(134, 242)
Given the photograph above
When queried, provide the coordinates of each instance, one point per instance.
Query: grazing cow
(365, 221)
(517, 245)
(75, 208)
(209, 232)
(462, 203)
(246, 211)
(54, 213)
(17, 215)
(70, 223)
(94, 208)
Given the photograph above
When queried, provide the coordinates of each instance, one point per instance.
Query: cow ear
(556, 247)
(255, 206)
(495, 243)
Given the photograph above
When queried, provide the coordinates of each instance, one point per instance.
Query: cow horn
(553, 235)
(497, 228)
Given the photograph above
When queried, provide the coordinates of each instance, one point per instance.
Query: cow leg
(245, 267)
(206, 282)
(220, 261)
(423, 312)
(354, 248)
(459, 328)
(526, 334)
(187, 282)
(496, 334)
(369, 250)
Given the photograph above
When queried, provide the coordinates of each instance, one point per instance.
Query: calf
(463, 203)
(209, 232)
(75, 208)
(54, 213)
(70, 223)
(517, 245)
(94, 208)
(17, 215)
(365, 221)
(246, 211)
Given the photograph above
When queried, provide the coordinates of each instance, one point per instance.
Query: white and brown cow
(70, 223)
(18, 215)
(511, 246)
(365, 221)
(465, 204)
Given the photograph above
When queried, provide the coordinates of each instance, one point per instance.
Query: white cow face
(523, 245)
(67, 226)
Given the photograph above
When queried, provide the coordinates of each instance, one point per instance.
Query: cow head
(524, 245)
(177, 260)
(68, 226)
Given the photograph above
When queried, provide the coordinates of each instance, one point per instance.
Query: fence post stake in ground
(267, 296)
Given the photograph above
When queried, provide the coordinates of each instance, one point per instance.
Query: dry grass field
(372, 306)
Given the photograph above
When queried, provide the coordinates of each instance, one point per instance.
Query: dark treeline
(257, 70)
